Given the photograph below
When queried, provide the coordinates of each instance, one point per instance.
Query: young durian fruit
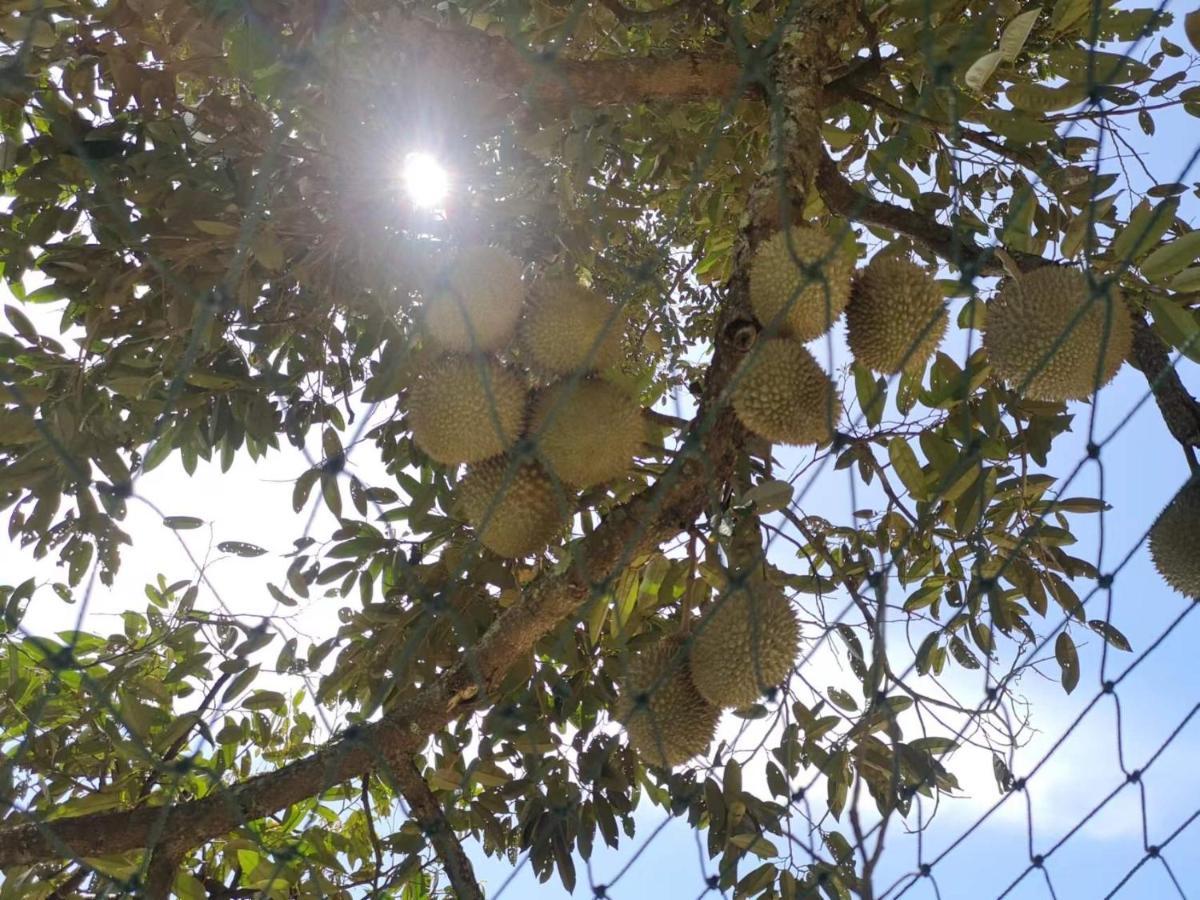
(896, 317)
(587, 430)
(782, 394)
(807, 303)
(667, 720)
(1053, 338)
(745, 645)
(570, 329)
(516, 509)
(1175, 541)
(475, 301)
(466, 408)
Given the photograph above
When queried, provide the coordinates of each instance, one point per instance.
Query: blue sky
(1142, 469)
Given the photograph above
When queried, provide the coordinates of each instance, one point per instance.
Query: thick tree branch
(428, 813)
(657, 514)
(1179, 409)
(550, 80)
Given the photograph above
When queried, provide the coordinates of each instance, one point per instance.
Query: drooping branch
(428, 813)
(660, 512)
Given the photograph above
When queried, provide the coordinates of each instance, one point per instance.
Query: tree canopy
(205, 189)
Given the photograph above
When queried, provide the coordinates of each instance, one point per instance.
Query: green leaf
(220, 229)
(842, 699)
(770, 496)
(182, 523)
(189, 887)
(905, 464)
(304, 486)
(240, 682)
(1068, 661)
(1110, 634)
(981, 70)
(872, 394)
(1171, 257)
(21, 323)
(240, 548)
(264, 700)
(1191, 27)
(1016, 33)
(1146, 226)
(1177, 325)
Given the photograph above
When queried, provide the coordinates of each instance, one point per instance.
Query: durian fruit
(896, 317)
(667, 720)
(779, 281)
(475, 302)
(466, 408)
(516, 509)
(782, 394)
(1046, 327)
(569, 329)
(748, 643)
(587, 430)
(1175, 541)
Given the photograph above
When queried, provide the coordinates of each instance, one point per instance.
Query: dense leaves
(201, 191)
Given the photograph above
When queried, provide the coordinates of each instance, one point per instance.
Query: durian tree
(597, 384)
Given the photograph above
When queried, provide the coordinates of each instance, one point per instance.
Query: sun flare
(425, 180)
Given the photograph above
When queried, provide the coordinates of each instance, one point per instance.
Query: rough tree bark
(428, 813)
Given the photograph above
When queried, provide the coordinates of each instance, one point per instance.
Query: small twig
(371, 833)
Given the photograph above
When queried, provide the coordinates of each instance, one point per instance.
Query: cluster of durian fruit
(801, 281)
(517, 391)
(1051, 333)
(672, 692)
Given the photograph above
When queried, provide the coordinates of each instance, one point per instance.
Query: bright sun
(425, 181)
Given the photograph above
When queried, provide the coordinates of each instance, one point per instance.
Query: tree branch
(1179, 409)
(550, 80)
(428, 813)
(660, 512)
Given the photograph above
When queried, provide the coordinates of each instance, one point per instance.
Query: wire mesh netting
(635, 572)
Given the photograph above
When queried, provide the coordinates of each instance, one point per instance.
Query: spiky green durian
(667, 720)
(475, 301)
(896, 317)
(781, 393)
(569, 329)
(466, 408)
(587, 430)
(748, 643)
(515, 508)
(1175, 541)
(1053, 338)
(781, 285)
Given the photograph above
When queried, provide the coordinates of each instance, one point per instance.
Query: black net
(674, 575)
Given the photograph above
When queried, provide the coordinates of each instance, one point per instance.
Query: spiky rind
(1047, 334)
(475, 301)
(466, 409)
(781, 285)
(745, 645)
(587, 431)
(569, 329)
(515, 510)
(782, 394)
(896, 317)
(1175, 541)
(667, 720)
